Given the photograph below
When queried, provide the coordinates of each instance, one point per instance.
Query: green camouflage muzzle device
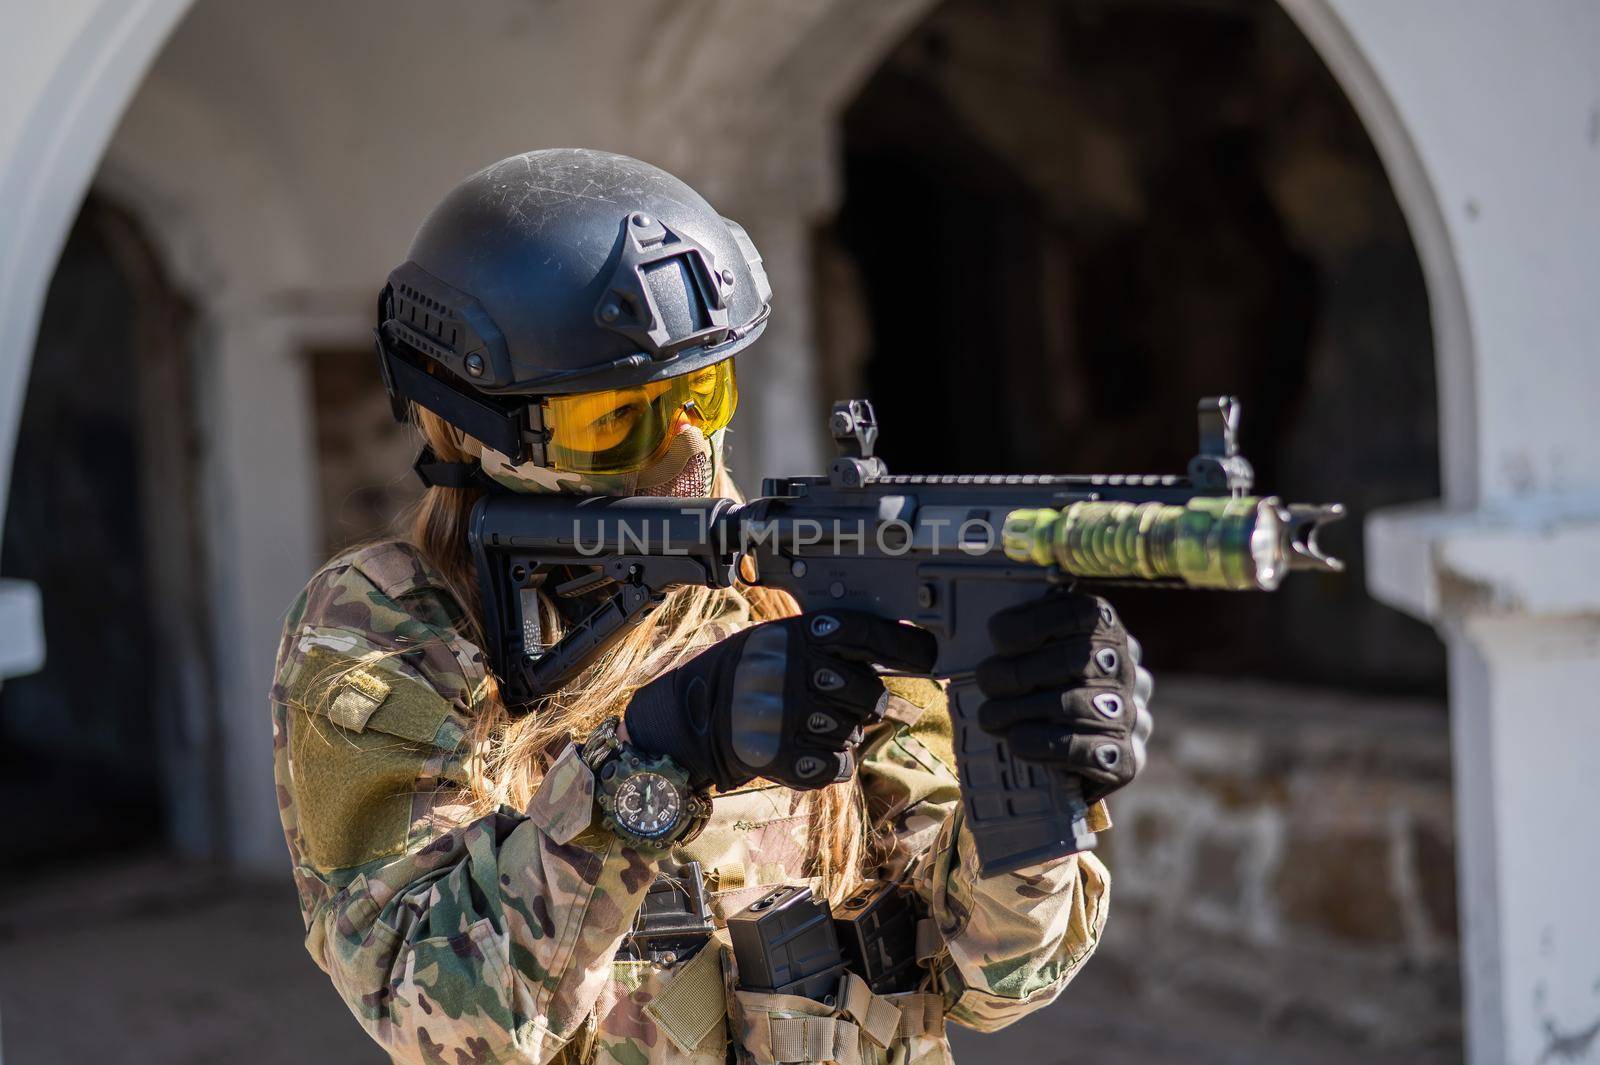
(1233, 543)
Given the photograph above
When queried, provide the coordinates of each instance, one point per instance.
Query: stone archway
(73, 70)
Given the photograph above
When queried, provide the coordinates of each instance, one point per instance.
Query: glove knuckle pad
(810, 769)
(833, 683)
(824, 627)
(1103, 711)
(821, 722)
(1105, 617)
(826, 679)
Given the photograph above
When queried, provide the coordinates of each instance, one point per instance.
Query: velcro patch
(360, 695)
(377, 695)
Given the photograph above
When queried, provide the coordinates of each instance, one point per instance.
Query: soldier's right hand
(785, 700)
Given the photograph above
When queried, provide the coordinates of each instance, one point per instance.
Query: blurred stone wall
(1288, 861)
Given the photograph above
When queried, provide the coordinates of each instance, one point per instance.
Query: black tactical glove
(786, 700)
(1065, 687)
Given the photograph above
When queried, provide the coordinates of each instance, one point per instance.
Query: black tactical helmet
(558, 271)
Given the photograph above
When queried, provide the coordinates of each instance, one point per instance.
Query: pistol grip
(1020, 813)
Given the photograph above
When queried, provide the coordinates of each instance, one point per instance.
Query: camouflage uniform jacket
(455, 939)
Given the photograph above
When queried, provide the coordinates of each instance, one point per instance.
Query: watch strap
(604, 746)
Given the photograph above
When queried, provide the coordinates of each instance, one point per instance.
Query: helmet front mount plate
(667, 292)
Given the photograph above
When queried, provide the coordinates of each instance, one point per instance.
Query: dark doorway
(1064, 223)
(109, 747)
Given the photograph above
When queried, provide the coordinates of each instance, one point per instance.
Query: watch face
(648, 805)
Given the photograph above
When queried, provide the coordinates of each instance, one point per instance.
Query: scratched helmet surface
(561, 271)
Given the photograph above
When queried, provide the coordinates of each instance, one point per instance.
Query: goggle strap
(435, 474)
(536, 435)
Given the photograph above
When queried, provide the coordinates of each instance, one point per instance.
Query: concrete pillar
(1516, 595)
(184, 169)
(1525, 757)
(263, 531)
(1523, 713)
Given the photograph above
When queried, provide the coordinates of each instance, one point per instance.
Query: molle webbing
(786, 1030)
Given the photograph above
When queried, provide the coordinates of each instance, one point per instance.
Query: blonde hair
(511, 751)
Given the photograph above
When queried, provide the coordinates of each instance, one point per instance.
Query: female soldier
(566, 324)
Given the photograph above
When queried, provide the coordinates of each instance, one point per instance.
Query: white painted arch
(70, 68)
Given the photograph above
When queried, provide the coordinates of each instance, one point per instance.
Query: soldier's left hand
(1065, 687)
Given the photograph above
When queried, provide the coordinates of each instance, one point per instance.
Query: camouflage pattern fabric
(456, 940)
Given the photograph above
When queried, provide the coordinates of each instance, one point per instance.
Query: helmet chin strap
(671, 475)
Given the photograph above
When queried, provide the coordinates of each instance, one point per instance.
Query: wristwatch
(644, 799)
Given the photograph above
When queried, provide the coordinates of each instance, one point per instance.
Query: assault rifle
(943, 551)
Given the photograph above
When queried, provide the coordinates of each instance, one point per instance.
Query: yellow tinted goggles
(621, 430)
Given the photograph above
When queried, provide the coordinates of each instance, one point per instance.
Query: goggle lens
(621, 430)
